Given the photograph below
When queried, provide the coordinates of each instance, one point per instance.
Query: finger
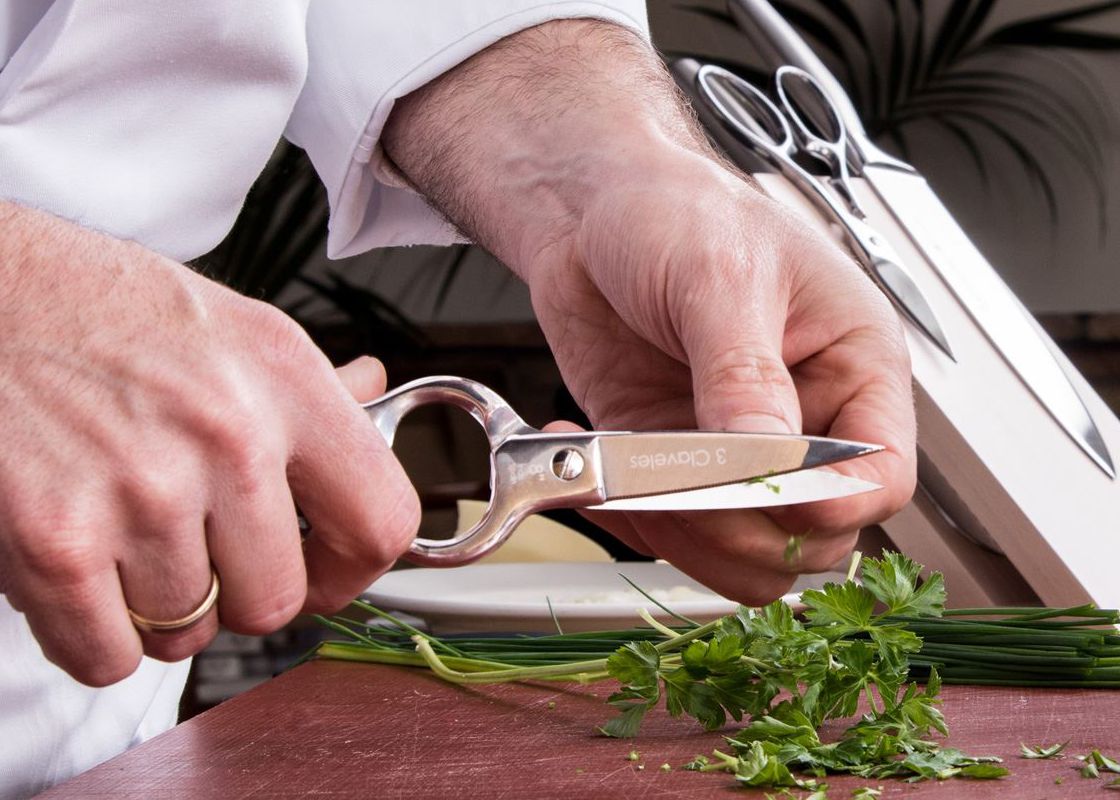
(166, 584)
(161, 554)
(364, 378)
(858, 390)
(361, 506)
(255, 547)
(96, 643)
(70, 594)
(734, 348)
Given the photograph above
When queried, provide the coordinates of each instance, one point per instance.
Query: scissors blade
(886, 268)
(645, 464)
(910, 300)
(804, 486)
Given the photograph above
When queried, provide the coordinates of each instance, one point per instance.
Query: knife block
(1009, 508)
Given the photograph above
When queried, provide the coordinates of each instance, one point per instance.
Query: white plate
(584, 596)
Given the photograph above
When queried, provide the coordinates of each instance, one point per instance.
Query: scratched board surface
(341, 730)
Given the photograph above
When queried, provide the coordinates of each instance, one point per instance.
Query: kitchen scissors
(764, 127)
(531, 470)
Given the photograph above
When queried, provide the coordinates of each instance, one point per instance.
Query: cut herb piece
(1089, 768)
(1041, 752)
(1101, 761)
(792, 553)
(697, 764)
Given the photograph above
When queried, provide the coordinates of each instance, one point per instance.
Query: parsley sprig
(787, 677)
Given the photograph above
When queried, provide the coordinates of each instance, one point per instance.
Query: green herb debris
(1092, 764)
(783, 676)
(1041, 752)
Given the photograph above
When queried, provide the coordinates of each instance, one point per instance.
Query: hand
(689, 299)
(671, 291)
(155, 424)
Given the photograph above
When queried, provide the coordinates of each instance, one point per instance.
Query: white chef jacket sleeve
(365, 55)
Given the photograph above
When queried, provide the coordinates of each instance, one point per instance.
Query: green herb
(1041, 752)
(867, 792)
(697, 764)
(666, 767)
(633, 755)
(776, 488)
(782, 677)
(1096, 761)
(792, 553)
(1104, 762)
(1113, 784)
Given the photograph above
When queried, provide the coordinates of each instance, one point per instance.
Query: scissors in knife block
(764, 127)
(531, 470)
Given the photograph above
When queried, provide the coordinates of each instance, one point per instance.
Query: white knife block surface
(1038, 512)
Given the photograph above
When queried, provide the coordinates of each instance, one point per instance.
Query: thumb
(741, 383)
(364, 378)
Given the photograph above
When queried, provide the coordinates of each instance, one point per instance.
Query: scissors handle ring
(523, 478)
(830, 147)
(489, 409)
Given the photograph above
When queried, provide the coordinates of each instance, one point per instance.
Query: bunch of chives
(1057, 647)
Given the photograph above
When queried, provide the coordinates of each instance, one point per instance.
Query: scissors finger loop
(819, 127)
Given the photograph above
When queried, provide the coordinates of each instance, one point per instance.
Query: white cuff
(357, 71)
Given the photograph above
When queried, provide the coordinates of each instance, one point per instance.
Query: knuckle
(89, 648)
(59, 550)
(253, 462)
(399, 523)
(741, 375)
(745, 367)
(280, 336)
(763, 588)
(828, 553)
(262, 618)
(386, 532)
(248, 454)
(159, 495)
(227, 426)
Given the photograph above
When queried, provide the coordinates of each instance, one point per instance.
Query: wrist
(517, 145)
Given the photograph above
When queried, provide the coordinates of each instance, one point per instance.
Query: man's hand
(155, 425)
(672, 292)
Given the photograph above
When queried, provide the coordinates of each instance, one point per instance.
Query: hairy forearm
(516, 144)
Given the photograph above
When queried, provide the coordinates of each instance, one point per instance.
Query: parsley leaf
(845, 604)
(893, 582)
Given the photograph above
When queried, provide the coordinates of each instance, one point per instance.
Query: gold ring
(146, 624)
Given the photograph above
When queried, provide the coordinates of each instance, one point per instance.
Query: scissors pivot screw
(567, 464)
